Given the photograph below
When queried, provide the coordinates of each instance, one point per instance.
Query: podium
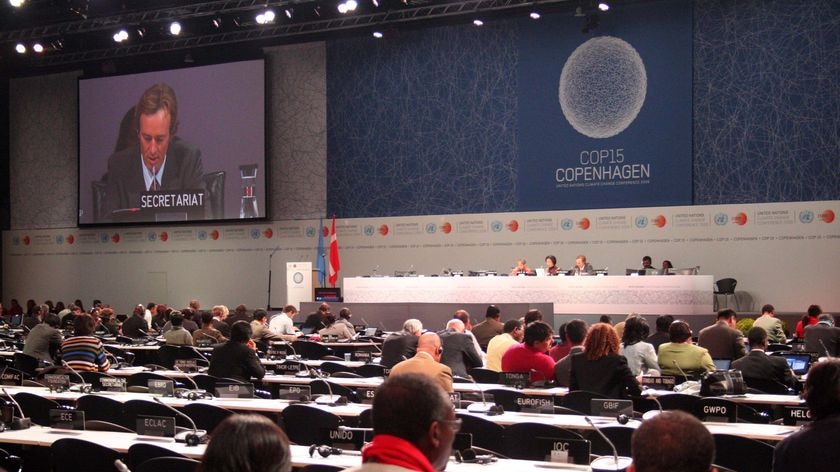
(298, 283)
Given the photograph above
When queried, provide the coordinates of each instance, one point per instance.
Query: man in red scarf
(414, 425)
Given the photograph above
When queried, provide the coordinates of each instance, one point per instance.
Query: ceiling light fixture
(175, 28)
(20, 48)
(120, 36)
(378, 34)
(478, 22)
(535, 15)
(604, 6)
(17, 4)
(37, 47)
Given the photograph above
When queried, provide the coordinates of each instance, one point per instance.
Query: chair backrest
(485, 433)
(303, 423)
(100, 425)
(168, 464)
(319, 387)
(678, 401)
(333, 367)
(166, 355)
(482, 375)
(321, 468)
(311, 350)
(214, 186)
(135, 408)
(206, 417)
(742, 454)
(36, 407)
(205, 382)
(619, 435)
(93, 378)
(142, 452)
(519, 439)
(98, 407)
(506, 398)
(580, 400)
(371, 370)
(141, 379)
(25, 363)
(726, 285)
(770, 386)
(77, 455)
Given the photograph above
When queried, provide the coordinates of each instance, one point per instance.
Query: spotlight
(175, 28)
(120, 36)
(57, 45)
(375, 3)
(217, 22)
(141, 32)
(604, 6)
(20, 48)
(289, 12)
(342, 8)
(377, 34)
(535, 15)
(17, 4)
(478, 22)
(37, 47)
(347, 6)
(265, 17)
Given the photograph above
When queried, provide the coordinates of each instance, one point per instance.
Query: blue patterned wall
(426, 123)
(766, 101)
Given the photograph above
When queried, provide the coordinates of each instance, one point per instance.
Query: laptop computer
(722, 364)
(799, 363)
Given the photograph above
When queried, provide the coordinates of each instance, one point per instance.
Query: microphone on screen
(604, 463)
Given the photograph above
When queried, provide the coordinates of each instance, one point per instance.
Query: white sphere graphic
(602, 87)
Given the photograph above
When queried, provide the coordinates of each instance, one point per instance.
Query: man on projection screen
(164, 173)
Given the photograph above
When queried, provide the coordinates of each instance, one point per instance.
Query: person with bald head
(459, 349)
(427, 362)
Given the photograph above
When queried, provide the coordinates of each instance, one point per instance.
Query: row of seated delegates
(237, 358)
(333, 328)
(581, 267)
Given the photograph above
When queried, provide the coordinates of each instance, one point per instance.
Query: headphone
(324, 451)
(623, 419)
(192, 395)
(468, 456)
(86, 388)
(495, 410)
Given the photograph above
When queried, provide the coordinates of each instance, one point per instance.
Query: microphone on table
(651, 413)
(489, 409)
(194, 394)
(85, 387)
(295, 355)
(21, 422)
(332, 400)
(193, 438)
(608, 464)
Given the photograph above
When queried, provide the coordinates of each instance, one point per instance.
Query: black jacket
(235, 361)
(609, 376)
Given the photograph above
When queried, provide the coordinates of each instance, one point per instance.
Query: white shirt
(281, 324)
(148, 176)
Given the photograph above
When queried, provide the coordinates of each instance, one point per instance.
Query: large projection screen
(137, 168)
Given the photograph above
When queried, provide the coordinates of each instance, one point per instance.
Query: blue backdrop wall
(741, 104)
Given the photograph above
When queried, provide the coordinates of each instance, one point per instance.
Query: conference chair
(779, 347)
(619, 435)
(93, 378)
(678, 401)
(580, 400)
(36, 407)
(102, 408)
(332, 367)
(346, 375)
(311, 350)
(121, 354)
(99, 425)
(519, 439)
(206, 416)
(742, 454)
(205, 382)
(321, 468)
(770, 386)
(168, 464)
(726, 287)
(486, 434)
(139, 453)
(77, 455)
(319, 387)
(135, 408)
(482, 375)
(506, 398)
(25, 363)
(303, 423)
(9, 462)
(371, 370)
(166, 355)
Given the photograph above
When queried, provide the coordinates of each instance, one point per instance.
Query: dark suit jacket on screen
(183, 171)
(758, 365)
(235, 361)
